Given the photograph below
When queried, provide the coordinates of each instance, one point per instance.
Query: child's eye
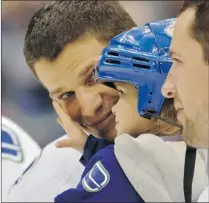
(175, 60)
(120, 92)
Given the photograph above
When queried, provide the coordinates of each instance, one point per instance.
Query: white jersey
(55, 171)
(204, 197)
(155, 167)
(18, 151)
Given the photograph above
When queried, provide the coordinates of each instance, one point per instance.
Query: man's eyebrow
(82, 73)
(54, 91)
(86, 69)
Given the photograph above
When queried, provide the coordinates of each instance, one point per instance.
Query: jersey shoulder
(17, 145)
(18, 150)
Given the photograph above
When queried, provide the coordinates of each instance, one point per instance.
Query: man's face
(69, 80)
(187, 82)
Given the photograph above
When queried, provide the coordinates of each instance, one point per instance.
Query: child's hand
(76, 136)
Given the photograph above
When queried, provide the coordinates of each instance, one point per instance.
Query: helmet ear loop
(152, 115)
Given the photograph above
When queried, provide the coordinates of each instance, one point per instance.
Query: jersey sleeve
(18, 149)
(92, 146)
(103, 180)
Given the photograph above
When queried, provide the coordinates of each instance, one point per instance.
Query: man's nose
(90, 100)
(168, 89)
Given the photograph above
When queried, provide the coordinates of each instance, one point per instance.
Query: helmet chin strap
(167, 120)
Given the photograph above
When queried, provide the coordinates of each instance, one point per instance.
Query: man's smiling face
(69, 80)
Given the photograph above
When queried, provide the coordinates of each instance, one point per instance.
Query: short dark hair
(200, 26)
(61, 22)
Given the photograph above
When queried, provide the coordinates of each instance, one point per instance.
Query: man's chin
(194, 136)
(197, 143)
(106, 130)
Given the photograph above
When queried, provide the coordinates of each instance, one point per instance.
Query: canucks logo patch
(169, 29)
(96, 179)
(10, 146)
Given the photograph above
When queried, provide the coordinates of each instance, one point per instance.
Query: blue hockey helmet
(140, 57)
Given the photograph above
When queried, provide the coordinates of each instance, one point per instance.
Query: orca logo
(10, 146)
(96, 179)
(169, 29)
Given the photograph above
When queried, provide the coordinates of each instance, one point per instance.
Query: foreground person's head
(187, 80)
(62, 43)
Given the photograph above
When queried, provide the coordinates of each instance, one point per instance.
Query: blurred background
(24, 100)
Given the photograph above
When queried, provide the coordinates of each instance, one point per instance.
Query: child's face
(127, 118)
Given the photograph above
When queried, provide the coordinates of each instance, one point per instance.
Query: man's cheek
(73, 109)
(188, 100)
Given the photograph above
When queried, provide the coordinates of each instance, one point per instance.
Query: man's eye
(67, 95)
